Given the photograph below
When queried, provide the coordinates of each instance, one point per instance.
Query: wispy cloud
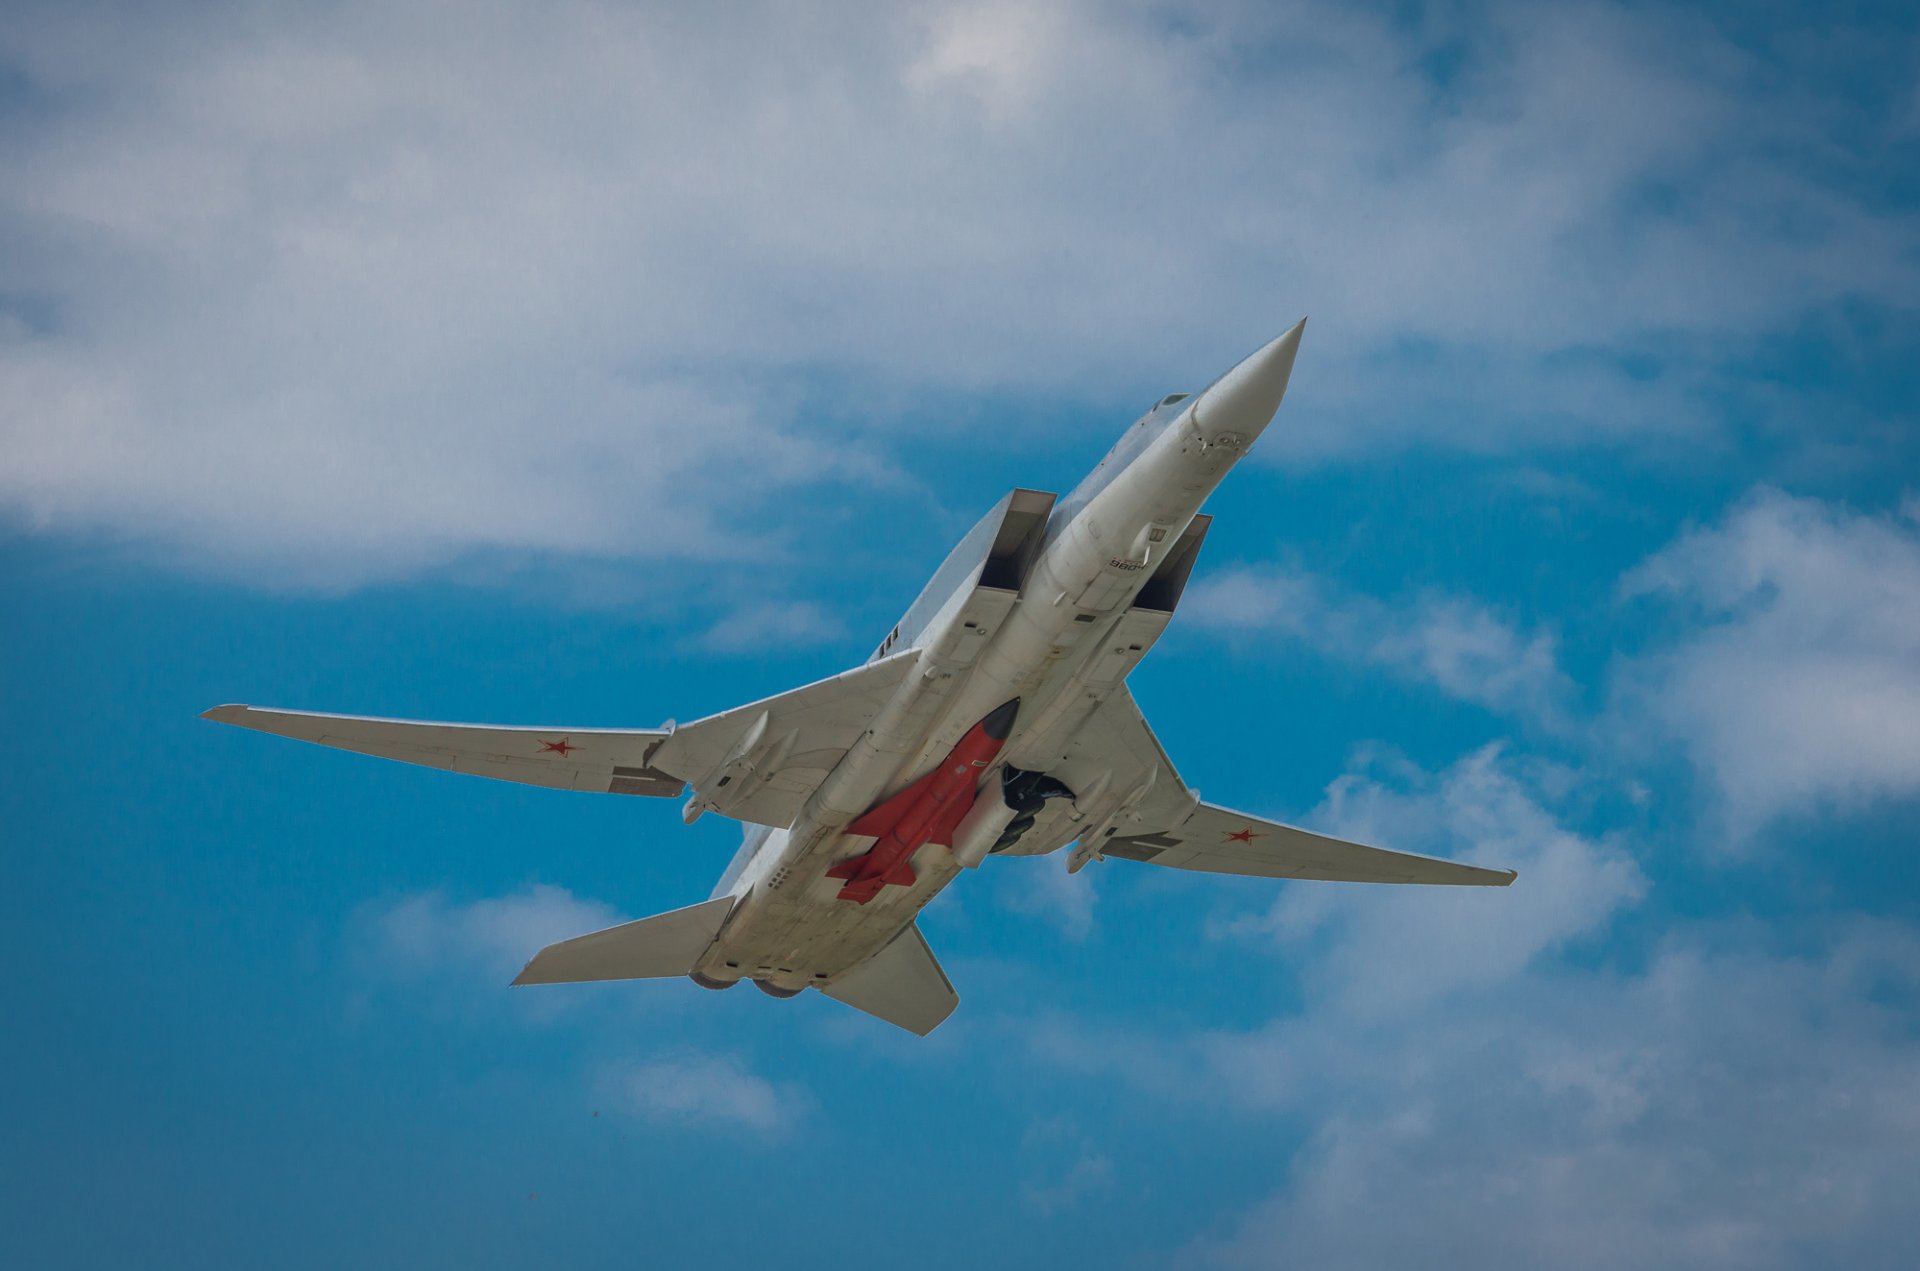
(1725, 1107)
(704, 1089)
(471, 949)
(1476, 1090)
(1076, 1168)
(1784, 658)
(1041, 887)
(1457, 645)
(1376, 951)
(1377, 957)
(350, 294)
(780, 624)
(1792, 673)
(493, 936)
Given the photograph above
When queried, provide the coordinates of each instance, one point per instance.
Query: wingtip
(919, 1031)
(530, 975)
(224, 714)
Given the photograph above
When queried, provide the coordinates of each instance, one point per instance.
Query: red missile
(925, 812)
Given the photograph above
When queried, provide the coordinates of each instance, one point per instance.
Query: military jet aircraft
(994, 719)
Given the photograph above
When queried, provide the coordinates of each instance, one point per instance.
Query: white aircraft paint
(1047, 603)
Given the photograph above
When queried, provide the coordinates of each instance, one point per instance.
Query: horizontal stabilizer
(601, 760)
(902, 984)
(651, 948)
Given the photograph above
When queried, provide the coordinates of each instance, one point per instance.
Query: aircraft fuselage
(1059, 649)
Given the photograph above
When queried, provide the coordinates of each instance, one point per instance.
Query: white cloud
(484, 942)
(1786, 662)
(708, 1089)
(1793, 679)
(1376, 951)
(1042, 888)
(1473, 1090)
(1720, 1109)
(1371, 957)
(1065, 1166)
(1453, 643)
(1090, 1173)
(354, 290)
(494, 937)
(777, 623)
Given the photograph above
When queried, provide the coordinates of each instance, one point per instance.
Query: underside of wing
(1152, 816)
(601, 760)
(758, 762)
(1218, 840)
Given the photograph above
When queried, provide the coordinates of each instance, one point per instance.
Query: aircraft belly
(792, 929)
(1061, 645)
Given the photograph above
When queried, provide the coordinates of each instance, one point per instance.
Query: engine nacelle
(708, 982)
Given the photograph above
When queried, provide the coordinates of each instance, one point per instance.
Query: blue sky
(600, 364)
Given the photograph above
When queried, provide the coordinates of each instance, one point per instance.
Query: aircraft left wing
(902, 984)
(1167, 824)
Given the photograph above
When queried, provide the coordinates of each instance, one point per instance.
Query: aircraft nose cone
(1245, 398)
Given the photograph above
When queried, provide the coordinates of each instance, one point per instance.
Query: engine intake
(993, 825)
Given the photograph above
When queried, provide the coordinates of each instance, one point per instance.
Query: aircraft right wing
(1217, 840)
(1168, 825)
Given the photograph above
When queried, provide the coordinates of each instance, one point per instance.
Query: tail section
(902, 984)
(662, 946)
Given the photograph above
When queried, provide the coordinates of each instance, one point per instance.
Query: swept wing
(1167, 824)
(758, 762)
(601, 760)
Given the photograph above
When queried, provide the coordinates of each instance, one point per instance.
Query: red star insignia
(563, 747)
(1245, 836)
